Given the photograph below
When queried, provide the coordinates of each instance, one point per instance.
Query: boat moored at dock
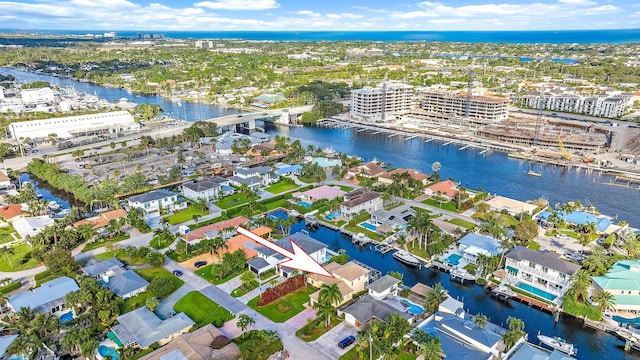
(559, 344)
(406, 258)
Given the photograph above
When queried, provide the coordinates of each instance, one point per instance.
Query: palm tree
(217, 244)
(606, 300)
(431, 349)
(324, 311)
(273, 282)
(7, 252)
(436, 297)
(244, 322)
(515, 332)
(481, 320)
(329, 295)
(578, 288)
(247, 277)
(632, 247)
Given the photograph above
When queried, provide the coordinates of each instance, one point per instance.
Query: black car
(346, 341)
(177, 272)
(199, 264)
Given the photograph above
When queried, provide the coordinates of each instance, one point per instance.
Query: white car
(562, 236)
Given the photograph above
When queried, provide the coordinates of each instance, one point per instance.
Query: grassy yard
(104, 241)
(284, 308)
(413, 248)
(201, 309)
(359, 229)
(281, 187)
(205, 273)
(239, 291)
(463, 223)
(121, 255)
(21, 260)
(345, 188)
(232, 200)
(353, 355)
(269, 206)
(135, 302)
(163, 243)
(151, 273)
(316, 328)
(5, 234)
(504, 220)
(185, 215)
(450, 206)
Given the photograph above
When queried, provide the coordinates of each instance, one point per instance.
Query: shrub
(161, 287)
(218, 323)
(9, 288)
(580, 310)
(289, 286)
(481, 281)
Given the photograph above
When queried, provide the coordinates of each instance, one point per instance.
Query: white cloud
(436, 9)
(445, 21)
(238, 4)
(578, 2)
(308, 13)
(344, 16)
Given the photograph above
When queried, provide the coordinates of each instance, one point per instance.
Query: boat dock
(360, 239)
(502, 293)
(383, 248)
(441, 266)
(461, 275)
(374, 274)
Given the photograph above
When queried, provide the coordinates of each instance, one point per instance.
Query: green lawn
(21, 260)
(185, 215)
(450, 206)
(232, 200)
(353, 355)
(267, 274)
(240, 290)
(359, 229)
(205, 273)
(121, 255)
(5, 234)
(316, 328)
(345, 188)
(284, 308)
(151, 273)
(135, 302)
(270, 206)
(281, 187)
(463, 223)
(104, 241)
(163, 243)
(201, 309)
(307, 179)
(413, 248)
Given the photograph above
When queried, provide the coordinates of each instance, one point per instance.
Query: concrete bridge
(246, 122)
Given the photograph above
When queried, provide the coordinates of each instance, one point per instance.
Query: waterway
(49, 193)
(493, 172)
(591, 344)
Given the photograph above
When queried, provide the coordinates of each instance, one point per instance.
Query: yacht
(559, 344)
(54, 206)
(406, 258)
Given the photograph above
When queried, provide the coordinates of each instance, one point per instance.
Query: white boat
(406, 258)
(559, 344)
(54, 206)
(534, 173)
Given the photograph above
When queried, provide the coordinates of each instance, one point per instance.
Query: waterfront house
(528, 351)
(512, 206)
(324, 192)
(623, 282)
(395, 218)
(288, 170)
(472, 245)
(265, 173)
(351, 278)
(224, 229)
(316, 249)
(383, 287)
(325, 162)
(360, 201)
(367, 308)
(105, 268)
(48, 298)
(388, 178)
(11, 212)
(580, 218)
(155, 200)
(209, 189)
(102, 219)
(196, 345)
(141, 328)
(447, 189)
(367, 170)
(542, 273)
(32, 226)
(126, 284)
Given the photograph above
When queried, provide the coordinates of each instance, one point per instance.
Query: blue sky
(209, 15)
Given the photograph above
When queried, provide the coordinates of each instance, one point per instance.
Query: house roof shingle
(383, 283)
(367, 307)
(10, 211)
(125, 283)
(144, 327)
(446, 187)
(99, 267)
(151, 195)
(195, 345)
(49, 292)
(358, 197)
(547, 259)
(200, 233)
(305, 242)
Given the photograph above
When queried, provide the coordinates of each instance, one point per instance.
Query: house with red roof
(11, 212)
(446, 188)
(369, 170)
(213, 230)
(387, 178)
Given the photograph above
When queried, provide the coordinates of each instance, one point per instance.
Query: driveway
(328, 343)
(168, 303)
(301, 319)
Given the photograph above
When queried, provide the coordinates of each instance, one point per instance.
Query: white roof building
(37, 96)
(31, 226)
(67, 127)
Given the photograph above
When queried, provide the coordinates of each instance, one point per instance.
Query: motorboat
(559, 344)
(406, 258)
(534, 173)
(54, 206)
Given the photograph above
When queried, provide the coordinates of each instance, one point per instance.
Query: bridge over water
(246, 122)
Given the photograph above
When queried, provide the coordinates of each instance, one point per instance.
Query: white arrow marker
(298, 259)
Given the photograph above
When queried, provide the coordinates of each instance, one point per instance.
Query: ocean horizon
(512, 37)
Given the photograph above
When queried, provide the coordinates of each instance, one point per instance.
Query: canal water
(591, 344)
(49, 193)
(493, 172)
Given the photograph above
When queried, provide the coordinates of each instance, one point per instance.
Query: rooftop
(195, 345)
(511, 205)
(151, 196)
(51, 291)
(547, 259)
(305, 242)
(383, 283)
(486, 243)
(199, 233)
(366, 308)
(359, 196)
(125, 283)
(623, 275)
(99, 267)
(446, 187)
(142, 326)
(323, 192)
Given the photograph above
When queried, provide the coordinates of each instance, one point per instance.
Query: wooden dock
(383, 248)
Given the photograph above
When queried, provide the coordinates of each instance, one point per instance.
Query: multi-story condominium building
(485, 108)
(609, 105)
(371, 103)
(542, 273)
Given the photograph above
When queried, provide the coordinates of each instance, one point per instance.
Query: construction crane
(467, 104)
(565, 154)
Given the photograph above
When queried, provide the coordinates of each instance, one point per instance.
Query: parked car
(346, 341)
(199, 264)
(172, 313)
(562, 236)
(177, 273)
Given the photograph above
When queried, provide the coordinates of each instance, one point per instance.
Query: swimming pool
(369, 226)
(68, 316)
(535, 291)
(454, 259)
(108, 350)
(413, 308)
(635, 322)
(333, 215)
(305, 204)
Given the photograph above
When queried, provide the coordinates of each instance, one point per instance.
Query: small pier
(441, 266)
(360, 239)
(503, 293)
(383, 248)
(374, 274)
(461, 276)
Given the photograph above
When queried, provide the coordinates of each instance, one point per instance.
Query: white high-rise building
(609, 105)
(371, 103)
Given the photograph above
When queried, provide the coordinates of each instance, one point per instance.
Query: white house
(543, 270)
(360, 201)
(472, 245)
(313, 247)
(206, 189)
(265, 173)
(141, 328)
(31, 226)
(48, 298)
(155, 200)
(383, 287)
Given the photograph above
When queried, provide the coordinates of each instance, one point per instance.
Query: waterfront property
(389, 177)
(360, 201)
(367, 308)
(387, 99)
(541, 273)
(472, 245)
(350, 278)
(32, 226)
(367, 170)
(207, 189)
(512, 206)
(154, 201)
(395, 218)
(141, 328)
(313, 247)
(481, 109)
(580, 218)
(49, 298)
(320, 193)
(528, 351)
(214, 230)
(326, 162)
(196, 345)
(102, 220)
(623, 282)
(446, 188)
(383, 287)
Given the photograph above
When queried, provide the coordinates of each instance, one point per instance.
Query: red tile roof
(10, 211)
(447, 187)
(198, 234)
(103, 219)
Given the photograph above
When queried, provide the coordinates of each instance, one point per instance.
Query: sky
(312, 15)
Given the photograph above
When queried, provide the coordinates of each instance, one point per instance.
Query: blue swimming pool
(635, 322)
(108, 350)
(68, 316)
(413, 308)
(305, 204)
(454, 259)
(369, 226)
(333, 215)
(535, 291)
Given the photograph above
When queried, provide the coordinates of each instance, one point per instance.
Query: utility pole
(371, 342)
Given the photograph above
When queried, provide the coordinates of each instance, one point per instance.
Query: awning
(512, 269)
